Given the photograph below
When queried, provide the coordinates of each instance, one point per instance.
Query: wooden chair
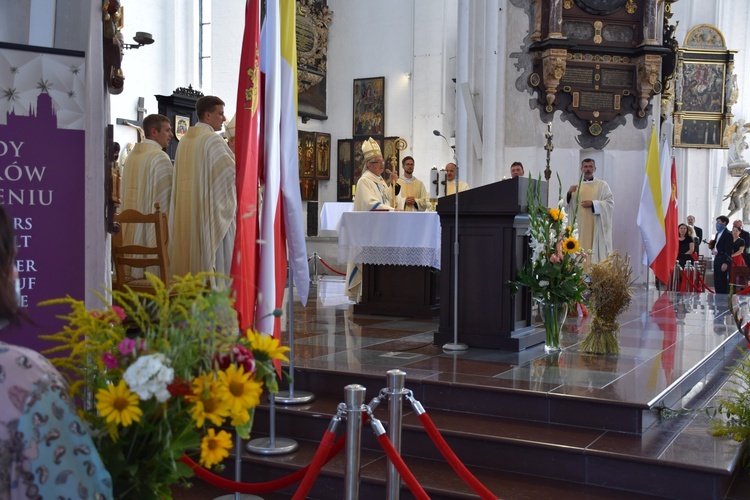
(126, 257)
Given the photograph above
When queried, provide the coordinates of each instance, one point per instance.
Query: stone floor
(661, 338)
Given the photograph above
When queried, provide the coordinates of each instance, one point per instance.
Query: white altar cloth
(390, 238)
(330, 214)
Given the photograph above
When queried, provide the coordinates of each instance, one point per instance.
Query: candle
(354, 190)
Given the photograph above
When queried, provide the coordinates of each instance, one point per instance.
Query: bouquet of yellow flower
(159, 375)
(554, 273)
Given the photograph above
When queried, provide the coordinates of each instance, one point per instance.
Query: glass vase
(553, 316)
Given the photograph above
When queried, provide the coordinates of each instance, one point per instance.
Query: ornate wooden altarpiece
(705, 90)
(596, 60)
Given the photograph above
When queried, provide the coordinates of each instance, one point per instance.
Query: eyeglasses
(376, 161)
(408, 163)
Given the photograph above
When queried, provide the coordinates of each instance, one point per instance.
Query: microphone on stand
(454, 346)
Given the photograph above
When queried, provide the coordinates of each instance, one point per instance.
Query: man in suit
(722, 252)
(697, 232)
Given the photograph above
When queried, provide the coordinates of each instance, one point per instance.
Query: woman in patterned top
(45, 450)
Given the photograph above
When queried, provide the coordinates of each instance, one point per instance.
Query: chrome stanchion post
(315, 257)
(354, 398)
(273, 445)
(290, 397)
(238, 473)
(396, 379)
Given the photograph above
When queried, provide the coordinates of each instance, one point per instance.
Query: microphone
(437, 133)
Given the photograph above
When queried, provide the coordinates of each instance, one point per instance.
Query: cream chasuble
(414, 187)
(594, 227)
(204, 204)
(146, 180)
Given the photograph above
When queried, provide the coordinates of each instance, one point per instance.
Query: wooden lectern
(493, 243)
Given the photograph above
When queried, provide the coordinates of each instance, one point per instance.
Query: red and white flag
(247, 149)
(281, 227)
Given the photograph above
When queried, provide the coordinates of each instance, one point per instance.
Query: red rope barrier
(700, 280)
(330, 268)
(319, 460)
(252, 488)
(401, 467)
(689, 282)
(453, 460)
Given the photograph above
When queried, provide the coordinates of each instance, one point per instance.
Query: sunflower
(238, 390)
(266, 347)
(568, 230)
(206, 402)
(556, 214)
(118, 405)
(571, 245)
(215, 447)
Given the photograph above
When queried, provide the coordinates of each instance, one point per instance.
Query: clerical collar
(408, 180)
(584, 180)
(151, 141)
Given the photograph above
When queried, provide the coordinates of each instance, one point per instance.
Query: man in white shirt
(450, 180)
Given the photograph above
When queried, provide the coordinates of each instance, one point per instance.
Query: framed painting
(306, 152)
(699, 131)
(309, 189)
(703, 87)
(181, 126)
(322, 156)
(369, 106)
(345, 171)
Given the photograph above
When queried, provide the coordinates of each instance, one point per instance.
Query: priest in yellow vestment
(204, 196)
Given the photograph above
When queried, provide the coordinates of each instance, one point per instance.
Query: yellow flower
(206, 402)
(118, 405)
(215, 447)
(238, 389)
(571, 245)
(568, 230)
(556, 214)
(264, 345)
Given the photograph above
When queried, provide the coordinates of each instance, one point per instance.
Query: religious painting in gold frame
(369, 106)
(322, 156)
(308, 189)
(699, 131)
(306, 152)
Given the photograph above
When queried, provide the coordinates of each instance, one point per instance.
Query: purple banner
(42, 182)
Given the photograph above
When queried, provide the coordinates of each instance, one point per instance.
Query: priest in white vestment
(595, 210)
(450, 180)
(147, 180)
(204, 196)
(415, 195)
(372, 193)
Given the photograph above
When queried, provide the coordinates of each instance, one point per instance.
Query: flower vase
(553, 316)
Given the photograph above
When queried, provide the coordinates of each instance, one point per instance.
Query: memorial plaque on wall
(595, 60)
(313, 19)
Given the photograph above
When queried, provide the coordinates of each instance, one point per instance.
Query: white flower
(543, 283)
(149, 376)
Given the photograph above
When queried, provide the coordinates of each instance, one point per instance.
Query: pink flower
(554, 258)
(126, 346)
(120, 312)
(110, 361)
(240, 356)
